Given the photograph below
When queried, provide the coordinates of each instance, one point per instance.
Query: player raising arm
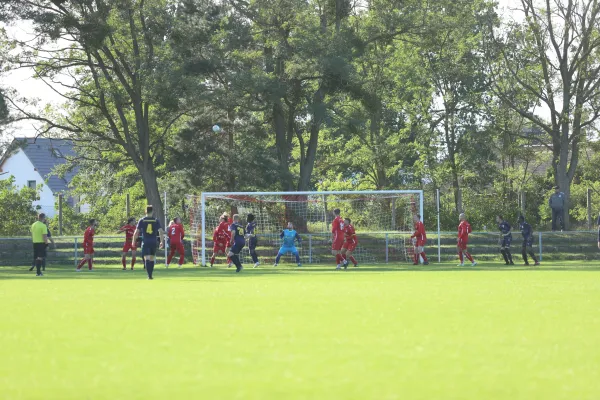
(505, 240)
(350, 243)
(176, 233)
(129, 229)
(419, 239)
(289, 236)
(220, 240)
(149, 228)
(464, 228)
(88, 245)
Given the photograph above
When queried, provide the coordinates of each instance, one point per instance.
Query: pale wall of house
(19, 166)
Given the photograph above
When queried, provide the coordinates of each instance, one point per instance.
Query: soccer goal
(383, 221)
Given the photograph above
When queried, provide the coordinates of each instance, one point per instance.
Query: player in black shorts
(237, 241)
(527, 232)
(252, 240)
(149, 228)
(505, 240)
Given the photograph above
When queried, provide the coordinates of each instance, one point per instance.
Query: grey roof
(45, 154)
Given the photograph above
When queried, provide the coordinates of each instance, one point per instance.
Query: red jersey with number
(88, 236)
(350, 234)
(464, 228)
(176, 233)
(337, 229)
(221, 233)
(420, 232)
(129, 231)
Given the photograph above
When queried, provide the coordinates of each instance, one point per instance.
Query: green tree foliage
(17, 207)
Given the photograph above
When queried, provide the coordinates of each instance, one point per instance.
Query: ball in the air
(216, 129)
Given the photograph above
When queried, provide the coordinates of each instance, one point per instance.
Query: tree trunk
(307, 165)
(281, 142)
(153, 195)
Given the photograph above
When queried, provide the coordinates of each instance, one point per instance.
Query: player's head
(177, 220)
(336, 212)
(417, 217)
(149, 210)
(347, 221)
(225, 217)
(236, 218)
(462, 217)
(131, 221)
(556, 189)
(92, 221)
(250, 217)
(499, 218)
(290, 225)
(521, 219)
(41, 217)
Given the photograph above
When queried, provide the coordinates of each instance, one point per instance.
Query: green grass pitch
(436, 332)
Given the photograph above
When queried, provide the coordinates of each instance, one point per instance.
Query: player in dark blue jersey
(505, 240)
(238, 241)
(252, 240)
(527, 232)
(149, 229)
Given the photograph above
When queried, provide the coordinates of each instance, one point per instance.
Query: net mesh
(383, 223)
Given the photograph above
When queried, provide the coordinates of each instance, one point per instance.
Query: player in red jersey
(221, 236)
(337, 238)
(419, 240)
(350, 243)
(464, 228)
(88, 245)
(176, 234)
(129, 229)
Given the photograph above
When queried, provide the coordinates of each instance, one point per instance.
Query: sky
(29, 87)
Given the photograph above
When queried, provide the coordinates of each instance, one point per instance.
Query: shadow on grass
(8, 273)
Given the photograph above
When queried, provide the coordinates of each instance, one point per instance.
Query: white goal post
(382, 219)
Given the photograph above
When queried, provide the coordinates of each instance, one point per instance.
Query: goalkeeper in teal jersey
(289, 237)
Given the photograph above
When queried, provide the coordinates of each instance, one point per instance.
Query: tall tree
(554, 57)
(111, 63)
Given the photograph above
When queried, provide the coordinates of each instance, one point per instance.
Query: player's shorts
(528, 243)
(178, 247)
(129, 246)
(505, 242)
(149, 249)
(462, 245)
(420, 243)
(39, 250)
(237, 247)
(220, 247)
(350, 246)
(88, 248)
(337, 244)
(288, 249)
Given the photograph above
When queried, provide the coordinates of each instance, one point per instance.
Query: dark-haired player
(252, 240)
(527, 232)
(419, 239)
(88, 245)
(238, 241)
(176, 233)
(505, 240)
(149, 229)
(129, 229)
(289, 236)
(464, 228)
(221, 237)
(350, 243)
(337, 238)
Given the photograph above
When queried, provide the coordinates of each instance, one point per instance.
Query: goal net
(383, 221)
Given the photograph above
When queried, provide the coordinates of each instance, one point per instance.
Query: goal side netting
(383, 221)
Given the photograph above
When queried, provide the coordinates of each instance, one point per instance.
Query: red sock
(469, 256)
(170, 257)
(132, 262)
(228, 260)
(343, 257)
(124, 262)
(89, 263)
(212, 260)
(460, 257)
(424, 257)
(338, 259)
(353, 260)
(81, 263)
(416, 258)
(181, 258)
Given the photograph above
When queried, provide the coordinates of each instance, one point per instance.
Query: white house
(32, 161)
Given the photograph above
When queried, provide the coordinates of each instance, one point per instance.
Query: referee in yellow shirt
(39, 234)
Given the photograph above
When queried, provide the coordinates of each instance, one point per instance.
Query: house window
(31, 184)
